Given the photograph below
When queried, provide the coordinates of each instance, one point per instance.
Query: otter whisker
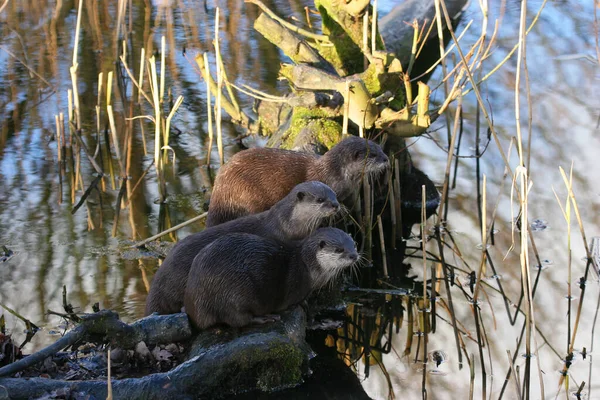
(336, 276)
(354, 270)
(331, 220)
(362, 260)
(315, 222)
(344, 211)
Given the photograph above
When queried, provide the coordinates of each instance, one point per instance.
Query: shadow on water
(48, 247)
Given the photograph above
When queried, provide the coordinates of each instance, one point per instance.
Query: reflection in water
(565, 108)
(53, 247)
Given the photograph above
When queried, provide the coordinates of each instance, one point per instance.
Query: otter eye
(300, 196)
(357, 155)
(320, 200)
(322, 244)
(339, 250)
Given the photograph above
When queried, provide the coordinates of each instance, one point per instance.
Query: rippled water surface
(54, 247)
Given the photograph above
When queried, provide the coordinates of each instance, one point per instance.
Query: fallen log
(267, 360)
(105, 326)
(220, 362)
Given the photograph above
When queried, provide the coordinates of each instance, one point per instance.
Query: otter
(293, 218)
(242, 278)
(255, 179)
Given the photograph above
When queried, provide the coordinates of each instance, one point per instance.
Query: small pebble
(142, 352)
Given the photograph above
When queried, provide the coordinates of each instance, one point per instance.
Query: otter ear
(301, 196)
(322, 244)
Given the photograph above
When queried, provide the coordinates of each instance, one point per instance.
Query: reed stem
(382, 242)
(209, 111)
(346, 108)
(219, 91)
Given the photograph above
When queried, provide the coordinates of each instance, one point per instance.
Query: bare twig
(293, 28)
(173, 229)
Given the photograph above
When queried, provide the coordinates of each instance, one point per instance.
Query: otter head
(334, 250)
(360, 156)
(315, 200)
(305, 207)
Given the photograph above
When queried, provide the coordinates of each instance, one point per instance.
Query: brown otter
(242, 278)
(255, 179)
(293, 218)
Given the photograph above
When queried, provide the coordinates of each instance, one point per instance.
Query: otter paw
(266, 319)
(274, 317)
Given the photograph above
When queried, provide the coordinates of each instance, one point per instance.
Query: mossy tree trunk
(338, 71)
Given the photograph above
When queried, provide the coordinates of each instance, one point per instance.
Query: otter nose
(353, 257)
(335, 205)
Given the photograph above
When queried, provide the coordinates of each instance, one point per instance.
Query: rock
(142, 352)
(161, 355)
(49, 365)
(118, 355)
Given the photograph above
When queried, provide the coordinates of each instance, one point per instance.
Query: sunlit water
(54, 248)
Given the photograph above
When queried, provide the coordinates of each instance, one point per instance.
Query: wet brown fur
(255, 179)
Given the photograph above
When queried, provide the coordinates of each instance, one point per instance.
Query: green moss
(276, 364)
(301, 117)
(308, 113)
(326, 131)
(345, 32)
(266, 127)
(371, 80)
(286, 71)
(377, 83)
(263, 126)
(345, 55)
(282, 367)
(329, 132)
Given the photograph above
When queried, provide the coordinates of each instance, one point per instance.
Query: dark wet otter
(293, 218)
(253, 180)
(242, 278)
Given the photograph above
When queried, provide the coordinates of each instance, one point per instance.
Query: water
(54, 248)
